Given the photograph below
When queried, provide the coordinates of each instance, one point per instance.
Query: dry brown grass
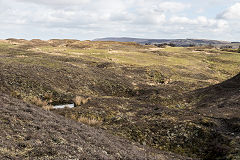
(48, 95)
(37, 101)
(86, 120)
(85, 100)
(73, 116)
(47, 107)
(41, 103)
(78, 100)
(89, 121)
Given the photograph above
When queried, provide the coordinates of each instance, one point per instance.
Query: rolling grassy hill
(153, 96)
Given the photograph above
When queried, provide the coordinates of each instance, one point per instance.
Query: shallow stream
(63, 106)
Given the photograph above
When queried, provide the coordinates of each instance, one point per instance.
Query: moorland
(183, 100)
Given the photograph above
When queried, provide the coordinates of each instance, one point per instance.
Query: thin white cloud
(231, 13)
(56, 2)
(199, 21)
(88, 19)
(172, 6)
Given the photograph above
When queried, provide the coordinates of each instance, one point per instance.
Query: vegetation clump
(78, 100)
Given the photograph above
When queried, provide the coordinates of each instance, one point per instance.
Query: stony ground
(165, 98)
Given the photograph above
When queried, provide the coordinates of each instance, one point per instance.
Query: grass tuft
(89, 121)
(39, 102)
(79, 100)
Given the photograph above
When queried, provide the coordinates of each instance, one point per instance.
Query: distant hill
(177, 42)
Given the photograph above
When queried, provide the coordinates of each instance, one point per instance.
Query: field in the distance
(142, 93)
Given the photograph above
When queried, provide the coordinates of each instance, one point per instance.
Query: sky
(90, 19)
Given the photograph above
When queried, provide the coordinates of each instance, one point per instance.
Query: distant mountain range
(177, 42)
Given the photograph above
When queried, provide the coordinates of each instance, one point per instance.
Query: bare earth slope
(30, 132)
(220, 104)
(221, 98)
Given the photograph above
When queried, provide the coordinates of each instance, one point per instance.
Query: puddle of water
(63, 106)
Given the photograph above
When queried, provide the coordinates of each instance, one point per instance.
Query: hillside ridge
(177, 42)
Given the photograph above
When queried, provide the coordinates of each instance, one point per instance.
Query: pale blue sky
(89, 19)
